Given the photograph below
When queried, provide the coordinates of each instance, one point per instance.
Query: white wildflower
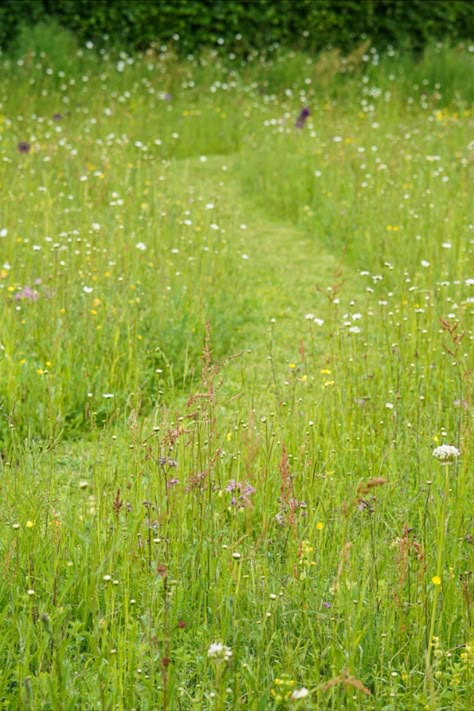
(219, 652)
(297, 694)
(446, 453)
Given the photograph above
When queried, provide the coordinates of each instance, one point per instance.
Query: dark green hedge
(248, 24)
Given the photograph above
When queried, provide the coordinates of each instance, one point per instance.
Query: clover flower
(446, 453)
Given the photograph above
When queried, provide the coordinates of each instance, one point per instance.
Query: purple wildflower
(24, 147)
(327, 605)
(57, 117)
(27, 293)
(167, 462)
(280, 518)
(301, 120)
(242, 493)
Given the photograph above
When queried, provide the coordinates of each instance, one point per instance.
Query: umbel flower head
(219, 652)
(446, 453)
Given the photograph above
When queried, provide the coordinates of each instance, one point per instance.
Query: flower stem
(439, 574)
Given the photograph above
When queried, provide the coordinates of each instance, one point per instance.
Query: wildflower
(26, 293)
(24, 147)
(167, 462)
(297, 694)
(283, 689)
(301, 120)
(219, 652)
(436, 580)
(141, 246)
(446, 453)
(241, 493)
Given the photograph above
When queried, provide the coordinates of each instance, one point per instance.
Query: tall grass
(229, 347)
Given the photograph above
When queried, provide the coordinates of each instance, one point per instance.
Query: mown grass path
(284, 263)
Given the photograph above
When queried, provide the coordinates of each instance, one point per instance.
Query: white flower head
(219, 652)
(446, 453)
(297, 694)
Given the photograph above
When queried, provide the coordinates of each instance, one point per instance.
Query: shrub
(242, 26)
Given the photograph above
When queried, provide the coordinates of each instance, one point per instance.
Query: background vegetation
(244, 26)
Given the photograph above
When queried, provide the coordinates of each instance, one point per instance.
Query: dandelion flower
(436, 580)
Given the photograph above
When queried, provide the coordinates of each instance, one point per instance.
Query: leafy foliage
(242, 26)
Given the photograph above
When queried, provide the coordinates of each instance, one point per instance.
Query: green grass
(228, 350)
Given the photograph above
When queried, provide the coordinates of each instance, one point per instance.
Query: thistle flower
(446, 453)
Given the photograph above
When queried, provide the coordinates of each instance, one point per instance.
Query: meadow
(236, 379)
